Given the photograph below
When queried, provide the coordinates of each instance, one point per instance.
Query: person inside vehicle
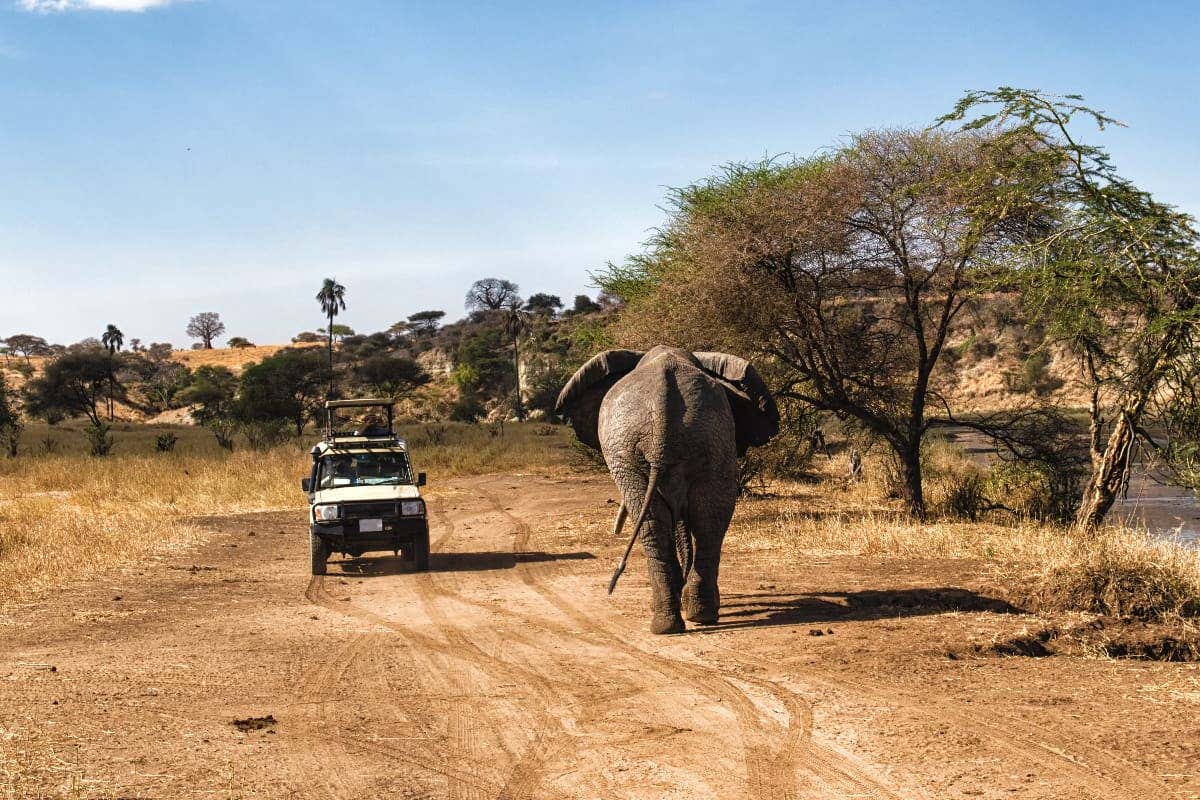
(339, 471)
(372, 426)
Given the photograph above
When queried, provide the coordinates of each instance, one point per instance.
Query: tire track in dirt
(529, 773)
(313, 692)
(526, 778)
(1104, 773)
(770, 771)
(437, 761)
(1093, 768)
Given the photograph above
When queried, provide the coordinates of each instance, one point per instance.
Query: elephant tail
(688, 559)
(651, 485)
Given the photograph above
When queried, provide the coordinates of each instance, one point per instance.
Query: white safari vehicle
(363, 494)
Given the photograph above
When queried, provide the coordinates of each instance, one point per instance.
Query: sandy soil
(506, 672)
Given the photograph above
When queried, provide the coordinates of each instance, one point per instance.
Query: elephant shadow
(379, 565)
(771, 609)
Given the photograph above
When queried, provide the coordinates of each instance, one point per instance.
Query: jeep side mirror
(420, 479)
(304, 483)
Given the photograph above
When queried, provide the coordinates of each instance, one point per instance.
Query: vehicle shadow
(771, 609)
(371, 566)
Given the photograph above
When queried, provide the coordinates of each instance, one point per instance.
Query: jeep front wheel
(320, 553)
(420, 551)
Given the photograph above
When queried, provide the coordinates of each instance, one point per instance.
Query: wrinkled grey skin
(674, 415)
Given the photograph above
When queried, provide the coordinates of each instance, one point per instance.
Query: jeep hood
(365, 494)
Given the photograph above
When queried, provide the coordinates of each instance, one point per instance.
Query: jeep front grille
(370, 510)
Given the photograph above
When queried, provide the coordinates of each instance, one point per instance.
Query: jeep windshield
(363, 469)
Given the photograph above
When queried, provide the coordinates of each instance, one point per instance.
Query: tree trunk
(329, 330)
(517, 409)
(1110, 473)
(910, 464)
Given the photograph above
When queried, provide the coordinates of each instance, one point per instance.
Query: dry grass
(69, 516)
(235, 358)
(1120, 572)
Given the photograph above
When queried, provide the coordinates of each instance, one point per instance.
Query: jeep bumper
(345, 536)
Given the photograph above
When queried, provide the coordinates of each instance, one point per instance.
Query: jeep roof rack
(364, 402)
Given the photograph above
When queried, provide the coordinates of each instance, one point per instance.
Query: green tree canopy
(211, 392)
(286, 386)
(1115, 276)
(74, 384)
(858, 262)
(390, 376)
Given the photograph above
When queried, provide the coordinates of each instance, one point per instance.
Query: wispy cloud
(53, 6)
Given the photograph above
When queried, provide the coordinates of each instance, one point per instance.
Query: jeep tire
(420, 552)
(320, 553)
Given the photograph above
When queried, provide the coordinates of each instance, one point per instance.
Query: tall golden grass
(66, 515)
(1119, 570)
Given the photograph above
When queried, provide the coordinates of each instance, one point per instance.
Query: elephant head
(756, 418)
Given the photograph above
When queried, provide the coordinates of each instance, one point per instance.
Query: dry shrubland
(1118, 571)
(65, 515)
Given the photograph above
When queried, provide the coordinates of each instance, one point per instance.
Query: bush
(100, 441)
(165, 442)
(263, 435)
(1125, 577)
(222, 430)
(1034, 376)
(468, 408)
(966, 496)
(1034, 491)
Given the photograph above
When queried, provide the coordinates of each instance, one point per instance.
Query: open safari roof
(372, 432)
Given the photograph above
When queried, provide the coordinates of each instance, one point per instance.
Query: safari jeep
(363, 495)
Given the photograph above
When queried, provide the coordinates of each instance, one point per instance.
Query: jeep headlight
(326, 513)
(412, 508)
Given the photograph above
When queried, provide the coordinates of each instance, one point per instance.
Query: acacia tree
(284, 387)
(332, 298)
(211, 395)
(844, 273)
(75, 383)
(24, 344)
(1116, 277)
(425, 323)
(499, 296)
(206, 326)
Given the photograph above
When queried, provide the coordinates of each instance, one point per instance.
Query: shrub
(265, 434)
(100, 441)
(1124, 576)
(1034, 490)
(966, 496)
(165, 442)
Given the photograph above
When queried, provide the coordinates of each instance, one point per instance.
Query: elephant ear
(580, 399)
(755, 414)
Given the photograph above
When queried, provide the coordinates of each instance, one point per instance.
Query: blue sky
(162, 158)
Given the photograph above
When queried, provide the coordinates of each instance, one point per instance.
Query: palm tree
(112, 339)
(515, 321)
(332, 298)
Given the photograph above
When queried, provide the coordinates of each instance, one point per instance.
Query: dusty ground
(507, 673)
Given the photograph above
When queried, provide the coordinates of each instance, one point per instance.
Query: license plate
(370, 525)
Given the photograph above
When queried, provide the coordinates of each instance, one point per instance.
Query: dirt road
(505, 672)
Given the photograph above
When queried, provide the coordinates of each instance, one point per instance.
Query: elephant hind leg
(706, 522)
(666, 577)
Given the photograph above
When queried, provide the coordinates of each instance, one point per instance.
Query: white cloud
(48, 6)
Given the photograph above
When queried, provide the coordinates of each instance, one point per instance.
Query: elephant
(672, 425)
